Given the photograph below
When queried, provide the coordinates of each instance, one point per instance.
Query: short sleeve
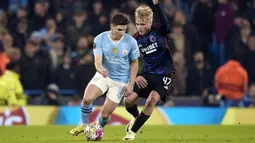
(134, 53)
(97, 48)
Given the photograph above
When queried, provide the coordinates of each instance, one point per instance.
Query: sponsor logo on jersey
(150, 49)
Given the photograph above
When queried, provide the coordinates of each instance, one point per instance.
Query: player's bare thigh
(91, 93)
(96, 87)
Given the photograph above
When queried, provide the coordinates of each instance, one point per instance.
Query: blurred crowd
(46, 45)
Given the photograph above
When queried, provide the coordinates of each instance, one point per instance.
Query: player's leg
(95, 88)
(144, 115)
(108, 107)
(130, 104)
(90, 94)
(147, 111)
(131, 107)
(114, 96)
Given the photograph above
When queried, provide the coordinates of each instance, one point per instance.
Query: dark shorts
(159, 83)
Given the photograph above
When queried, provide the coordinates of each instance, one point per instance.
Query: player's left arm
(133, 72)
(164, 24)
(133, 55)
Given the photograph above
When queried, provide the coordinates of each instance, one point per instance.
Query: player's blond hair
(144, 12)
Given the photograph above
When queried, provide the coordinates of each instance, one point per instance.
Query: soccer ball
(93, 132)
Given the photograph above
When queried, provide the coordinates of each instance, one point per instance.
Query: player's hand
(155, 2)
(141, 82)
(128, 90)
(103, 72)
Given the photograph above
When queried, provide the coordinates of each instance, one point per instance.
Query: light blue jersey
(116, 55)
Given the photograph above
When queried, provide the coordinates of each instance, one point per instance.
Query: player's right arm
(98, 55)
(164, 24)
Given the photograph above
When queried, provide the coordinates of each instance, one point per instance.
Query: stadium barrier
(49, 115)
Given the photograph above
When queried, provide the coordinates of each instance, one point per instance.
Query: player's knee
(87, 100)
(153, 99)
(128, 102)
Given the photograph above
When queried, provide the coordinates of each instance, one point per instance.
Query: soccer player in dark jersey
(154, 81)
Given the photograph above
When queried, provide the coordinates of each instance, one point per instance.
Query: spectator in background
(97, 11)
(15, 54)
(80, 26)
(101, 26)
(4, 59)
(231, 81)
(82, 47)
(48, 33)
(238, 44)
(129, 6)
(86, 66)
(169, 9)
(3, 19)
(249, 98)
(16, 18)
(64, 75)
(34, 68)
(203, 19)
(12, 78)
(39, 18)
(61, 22)
(189, 30)
(179, 84)
(250, 13)
(200, 76)
(181, 43)
(21, 34)
(57, 51)
(232, 32)
(224, 20)
(249, 58)
(3, 32)
(8, 43)
(51, 96)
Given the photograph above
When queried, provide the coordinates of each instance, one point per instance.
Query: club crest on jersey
(124, 52)
(114, 50)
(152, 38)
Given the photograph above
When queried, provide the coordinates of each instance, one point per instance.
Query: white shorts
(115, 89)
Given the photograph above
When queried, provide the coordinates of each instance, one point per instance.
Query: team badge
(114, 50)
(152, 38)
(124, 52)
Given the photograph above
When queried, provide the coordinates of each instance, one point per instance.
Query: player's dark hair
(119, 19)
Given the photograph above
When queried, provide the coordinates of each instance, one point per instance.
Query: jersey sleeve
(164, 24)
(134, 53)
(97, 45)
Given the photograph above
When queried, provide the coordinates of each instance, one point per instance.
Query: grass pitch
(148, 134)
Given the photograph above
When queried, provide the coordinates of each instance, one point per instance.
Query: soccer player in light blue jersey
(116, 60)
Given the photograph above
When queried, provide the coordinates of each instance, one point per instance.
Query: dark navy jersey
(154, 47)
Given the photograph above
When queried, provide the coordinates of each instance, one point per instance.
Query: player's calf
(147, 111)
(130, 104)
(151, 103)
